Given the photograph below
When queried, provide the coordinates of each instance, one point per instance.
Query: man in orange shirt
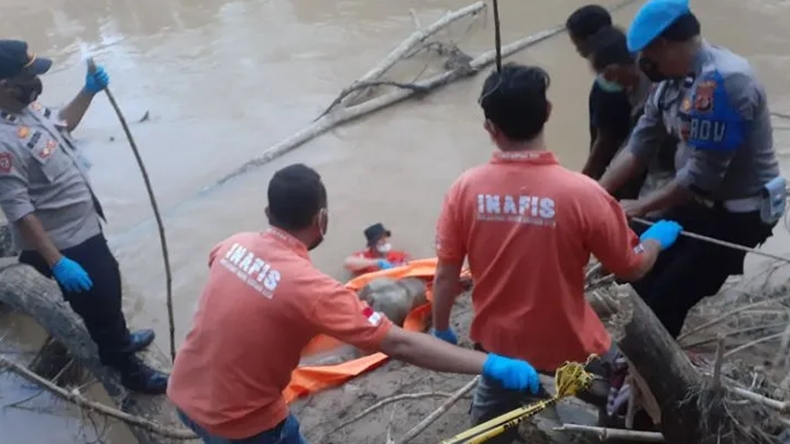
(264, 301)
(378, 255)
(528, 227)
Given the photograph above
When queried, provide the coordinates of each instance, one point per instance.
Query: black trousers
(692, 269)
(99, 307)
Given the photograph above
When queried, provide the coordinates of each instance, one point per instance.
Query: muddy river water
(224, 80)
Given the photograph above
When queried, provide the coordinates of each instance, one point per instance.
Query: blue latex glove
(384, 264)
(511, 373)
(665, 232)
(71, 276)
(96, 81)
(445, 335)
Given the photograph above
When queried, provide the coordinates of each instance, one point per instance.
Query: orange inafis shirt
(528, 227)
(264, 301)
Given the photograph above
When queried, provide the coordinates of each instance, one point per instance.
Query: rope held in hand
(570, 379)
(718, 242)
(154, 206)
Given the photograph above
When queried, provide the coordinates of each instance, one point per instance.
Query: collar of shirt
(525, 157)
(700, 59)
(288, 241)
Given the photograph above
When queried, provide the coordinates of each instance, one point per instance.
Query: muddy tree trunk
(6, 244)
(666, 370)
(24, 289)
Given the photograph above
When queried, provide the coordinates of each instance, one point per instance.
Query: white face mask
(384, 248)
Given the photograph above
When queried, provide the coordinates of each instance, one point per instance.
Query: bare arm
(602, 152)
(650, 252)
(356, 263)
(428, 352)
(73, 113)
(624, 167)
(643, 144)
(33, 232)
(446, 288)
(672, 194)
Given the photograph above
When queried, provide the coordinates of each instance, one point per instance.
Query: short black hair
(296, 194)
(686, 27)
(515, 100)
(607, 47)
(587, 20)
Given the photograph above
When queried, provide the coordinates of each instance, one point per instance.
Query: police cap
(15, 59)
(652, 19)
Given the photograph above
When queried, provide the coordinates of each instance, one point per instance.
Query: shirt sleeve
(649, 132)
(608, 236)
(450, 243)
(612, 114)
(340, 313)
(718, 123)
(14, 198)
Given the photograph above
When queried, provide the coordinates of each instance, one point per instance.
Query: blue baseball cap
(653, 18)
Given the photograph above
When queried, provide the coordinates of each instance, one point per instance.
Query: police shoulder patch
(704, 94)
(6, 163)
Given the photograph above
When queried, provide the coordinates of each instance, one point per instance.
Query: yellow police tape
(570, 379)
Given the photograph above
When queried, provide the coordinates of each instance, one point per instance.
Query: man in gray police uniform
(47, 198)
(727, 184)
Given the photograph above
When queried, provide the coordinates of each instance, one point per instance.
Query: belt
(744, 205)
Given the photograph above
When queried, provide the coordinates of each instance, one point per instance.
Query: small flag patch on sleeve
(373, 317)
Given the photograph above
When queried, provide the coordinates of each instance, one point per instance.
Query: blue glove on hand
(665, 232)
(511, 373)
(445, 335)
(96, 81)
(71, 276)
(384, 264)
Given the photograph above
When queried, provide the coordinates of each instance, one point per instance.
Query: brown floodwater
(224, 80)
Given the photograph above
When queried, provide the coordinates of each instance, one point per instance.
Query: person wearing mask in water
(616, 70)
(265, 301)
(609, 106)
(54, 214)
(727, 184)
(378, 255)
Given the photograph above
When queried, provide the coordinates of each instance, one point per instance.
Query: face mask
(650, 68)
(321, 230)
(384, 248)
(25, 89)
(607, 86)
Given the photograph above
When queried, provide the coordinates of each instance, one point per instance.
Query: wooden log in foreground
(6, 244)
(25, 290)
(689, 412)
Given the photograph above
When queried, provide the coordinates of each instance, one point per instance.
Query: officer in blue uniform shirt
(727, 184)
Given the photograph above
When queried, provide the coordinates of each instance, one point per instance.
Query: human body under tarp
(55, 216)
(528, 227)
(265, 301)
(727, 184)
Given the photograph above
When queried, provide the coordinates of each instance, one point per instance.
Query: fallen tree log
(692, 411)
(346, 114)
(25, 290)
(6, 243)
(355, 95)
